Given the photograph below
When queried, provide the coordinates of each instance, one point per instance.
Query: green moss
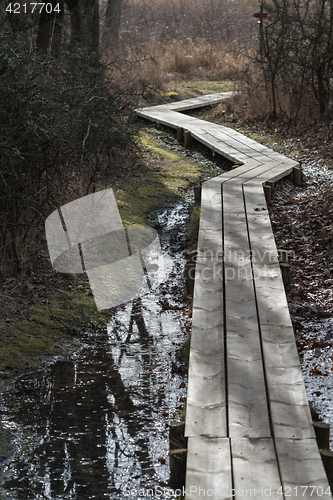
(259, 138)
(169, 174)
(184, 353)
(193, 227)
(48, 329)
(200, 87)
(169, 94)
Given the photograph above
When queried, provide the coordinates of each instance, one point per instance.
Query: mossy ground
(195, 88)
(41, 315)
(34, 328)
(167, 171)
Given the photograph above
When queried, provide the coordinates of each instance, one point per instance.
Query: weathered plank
(226, 149)
(198, 102)
(255, 468)
(302, 470)
(208, 469)
(247, 413)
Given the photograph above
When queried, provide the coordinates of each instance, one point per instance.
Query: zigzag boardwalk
(248, 422)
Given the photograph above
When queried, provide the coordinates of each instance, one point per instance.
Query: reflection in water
(97, 424)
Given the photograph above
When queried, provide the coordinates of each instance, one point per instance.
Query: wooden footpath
(248, 423)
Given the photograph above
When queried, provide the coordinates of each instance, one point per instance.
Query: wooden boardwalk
(248, 422)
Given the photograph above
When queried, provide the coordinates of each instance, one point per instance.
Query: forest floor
(42, 315)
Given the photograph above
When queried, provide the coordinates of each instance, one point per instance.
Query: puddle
(97, 425)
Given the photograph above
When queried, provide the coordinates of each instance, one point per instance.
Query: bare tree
(296, 54)
(85, 26)
(50, 28)
(112, 23)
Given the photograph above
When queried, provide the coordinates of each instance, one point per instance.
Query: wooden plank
(208, 280)
(255, 468)
(271, 300)
(239, 170)
(302, 470)
(206, 401)
(290, 410)
(208, 469)
(275, 173)
(261, 169)
(288, 402)
(207, 340)
(224, 149)
(209, 421)
(257, 323)
(234, 134)
(206, 387)
(220, 136)
(199, 102)
(279, 346)
(247, 404)
(273, 155)
(168, 118)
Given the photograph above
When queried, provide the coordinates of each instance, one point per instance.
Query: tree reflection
(93, 417)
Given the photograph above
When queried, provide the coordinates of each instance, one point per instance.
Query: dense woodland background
(69, 80)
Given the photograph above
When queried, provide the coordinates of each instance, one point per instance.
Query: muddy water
(96, 426)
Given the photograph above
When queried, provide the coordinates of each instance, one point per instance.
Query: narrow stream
(96, 426)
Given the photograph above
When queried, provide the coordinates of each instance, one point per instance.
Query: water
(96, 426)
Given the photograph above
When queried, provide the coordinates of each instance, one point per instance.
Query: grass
(45, 329)
(199, 87)
(40, 315)
(170, 171)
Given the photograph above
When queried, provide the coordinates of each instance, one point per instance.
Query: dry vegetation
(162, 41)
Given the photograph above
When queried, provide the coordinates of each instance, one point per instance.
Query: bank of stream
(95, 424)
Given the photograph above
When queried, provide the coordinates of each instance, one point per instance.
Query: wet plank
(206, 400)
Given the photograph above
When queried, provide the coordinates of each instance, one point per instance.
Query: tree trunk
(112, 23)
(85, 26)
(50, 29)
(322, 91)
